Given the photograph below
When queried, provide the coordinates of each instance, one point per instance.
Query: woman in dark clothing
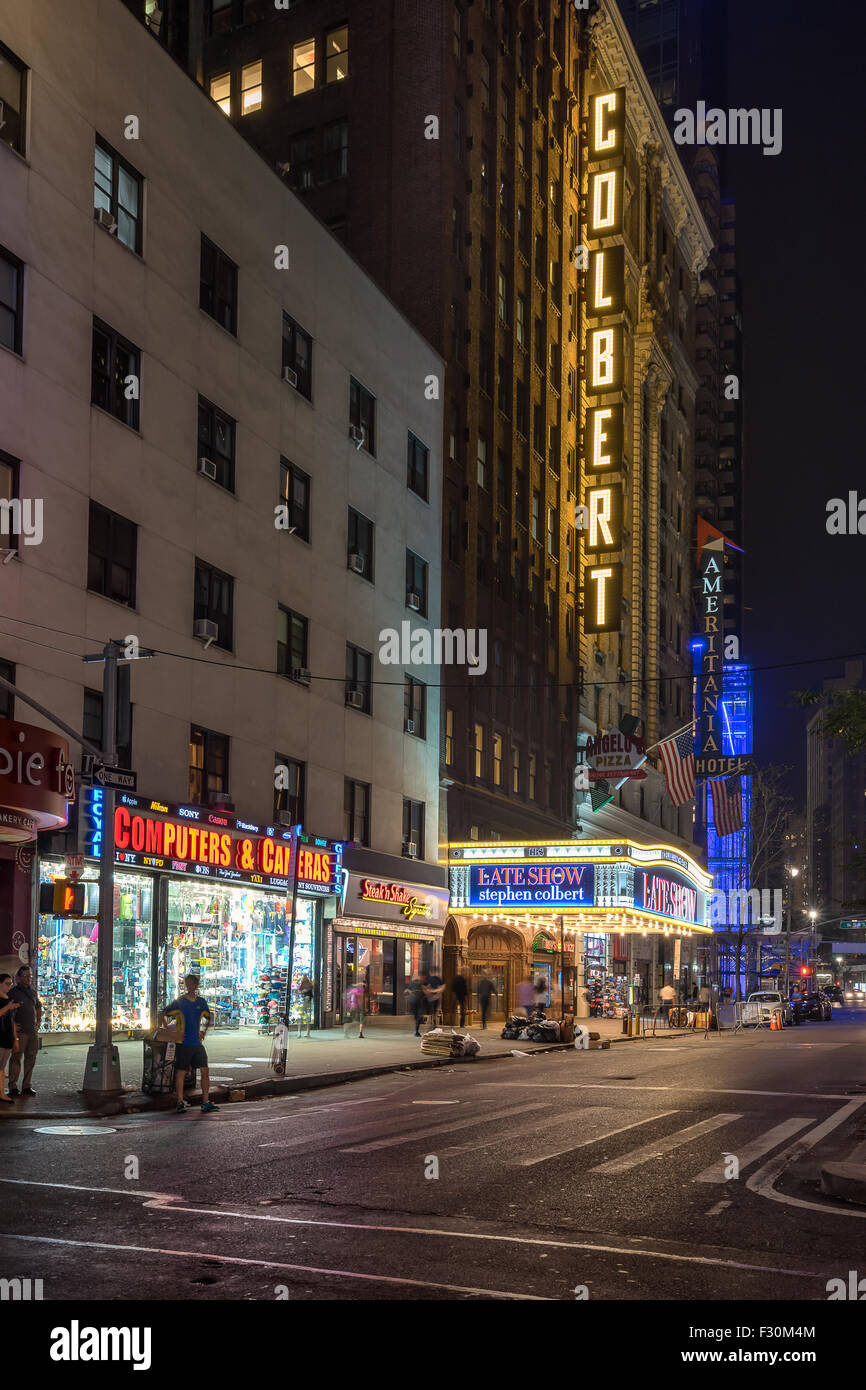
(7, 1034)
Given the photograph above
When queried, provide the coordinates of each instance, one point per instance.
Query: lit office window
(251, 88)
(221, 92)
(337, 54)
(303, 67)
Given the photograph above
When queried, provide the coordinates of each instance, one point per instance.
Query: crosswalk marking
(411, 1135)
(657, 1147)
(758, 1147)
(583, 1143)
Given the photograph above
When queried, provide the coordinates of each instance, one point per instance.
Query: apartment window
(335, 151)
(221, 14)
(571, 549)
(301, 155)
(417, 466)
(536, 516)
(533, 774)
(457, 230)
(503, 388)
(13, 92)
(454, 433)
(453, 535)
(456, 331)
(115, 374)
(414, 707)
(295, 488)
(360, 544)
(298, 356)
(481, 459)
(292, 642)
(505, 115)
(497, 760)
(447, 728)
(208, 764)
(337, 54)
(356, 806)
(8, 493)
(218, 288)
(515, 771)
(553, 530)
(220, 88)
(216, 442)
(539, 344)
(485, 273)
(503, 294)
(482, 555)
(458, 133)
(479, 750)
(290, 785)
(91, 725)
(11, 298)
(416, 583)
(7, 698)
(571, 471)
(523, 231)
(117, 189)
(539, 257)
(359, 677)
(505, 203)
(569, 631)
(213, 600)
(485, 83)
(571, 392)
(520, 496)
(362, 413)
(520, 320)
(111, 555)
(413, 828)
(251, 87)
(485, 173)
(303, 67)
(521, 142)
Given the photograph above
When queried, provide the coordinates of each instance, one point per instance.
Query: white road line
(558, 1153)
(692, 1090)
(434, 1102)
(719, 1207)
(274, 1264)
(657, 1147)
(163, 1200)
(763, 1181)
(409, 1137)
(758, 1147)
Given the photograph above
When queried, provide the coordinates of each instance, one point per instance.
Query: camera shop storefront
(389, 931)
(195, 892)
(592, 915)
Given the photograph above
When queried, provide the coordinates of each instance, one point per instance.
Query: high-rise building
(836, 814)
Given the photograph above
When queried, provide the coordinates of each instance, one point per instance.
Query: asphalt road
(682, 1169)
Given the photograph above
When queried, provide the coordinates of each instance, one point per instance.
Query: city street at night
(598, 1169)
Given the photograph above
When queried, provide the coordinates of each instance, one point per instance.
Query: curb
(845, 1180)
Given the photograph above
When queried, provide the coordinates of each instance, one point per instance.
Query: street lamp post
(793, 874)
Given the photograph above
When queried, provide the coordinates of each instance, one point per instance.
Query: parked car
(760, 1007)
(814, 1005)
(834, 994)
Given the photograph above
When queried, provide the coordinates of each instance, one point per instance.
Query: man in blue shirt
(188, 1015)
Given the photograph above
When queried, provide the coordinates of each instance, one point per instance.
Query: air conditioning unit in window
(413, 601)
(207, 468)
(410, 849)
(105, 219)
(285, 819)
(355, 699)
(221, 801)
(301, 675)
(290, 376)
(206, 630)
(358, 435)
(357, 563)
(409, 726)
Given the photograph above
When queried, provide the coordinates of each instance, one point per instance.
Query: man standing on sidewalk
(189, 1013)
(27, 1020)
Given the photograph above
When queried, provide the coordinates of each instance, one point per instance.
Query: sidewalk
(239, 1060)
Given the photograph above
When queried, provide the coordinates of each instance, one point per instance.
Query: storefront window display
(67, 950)
(237, 941)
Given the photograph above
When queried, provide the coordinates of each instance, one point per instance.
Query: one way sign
(122, 779)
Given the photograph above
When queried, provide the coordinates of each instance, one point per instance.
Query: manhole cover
(72, 1129)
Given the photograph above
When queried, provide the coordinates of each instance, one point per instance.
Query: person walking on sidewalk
(460, 989)
(526, 996)
(666, 996)
(485, 991)
(306, 989)
(190, 1012)
(434, 990)
(27, 1020)
(354, 1008)
(7, 1033)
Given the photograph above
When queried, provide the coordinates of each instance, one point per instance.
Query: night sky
(800, 232)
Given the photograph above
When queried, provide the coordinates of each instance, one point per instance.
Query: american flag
(727, 805)
(678, 760)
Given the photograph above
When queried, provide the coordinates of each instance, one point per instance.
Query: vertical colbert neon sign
(603, 423)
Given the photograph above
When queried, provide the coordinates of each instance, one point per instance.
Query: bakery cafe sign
(614, 755)
(37, 781)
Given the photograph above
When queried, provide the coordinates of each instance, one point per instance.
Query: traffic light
(63, 898)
